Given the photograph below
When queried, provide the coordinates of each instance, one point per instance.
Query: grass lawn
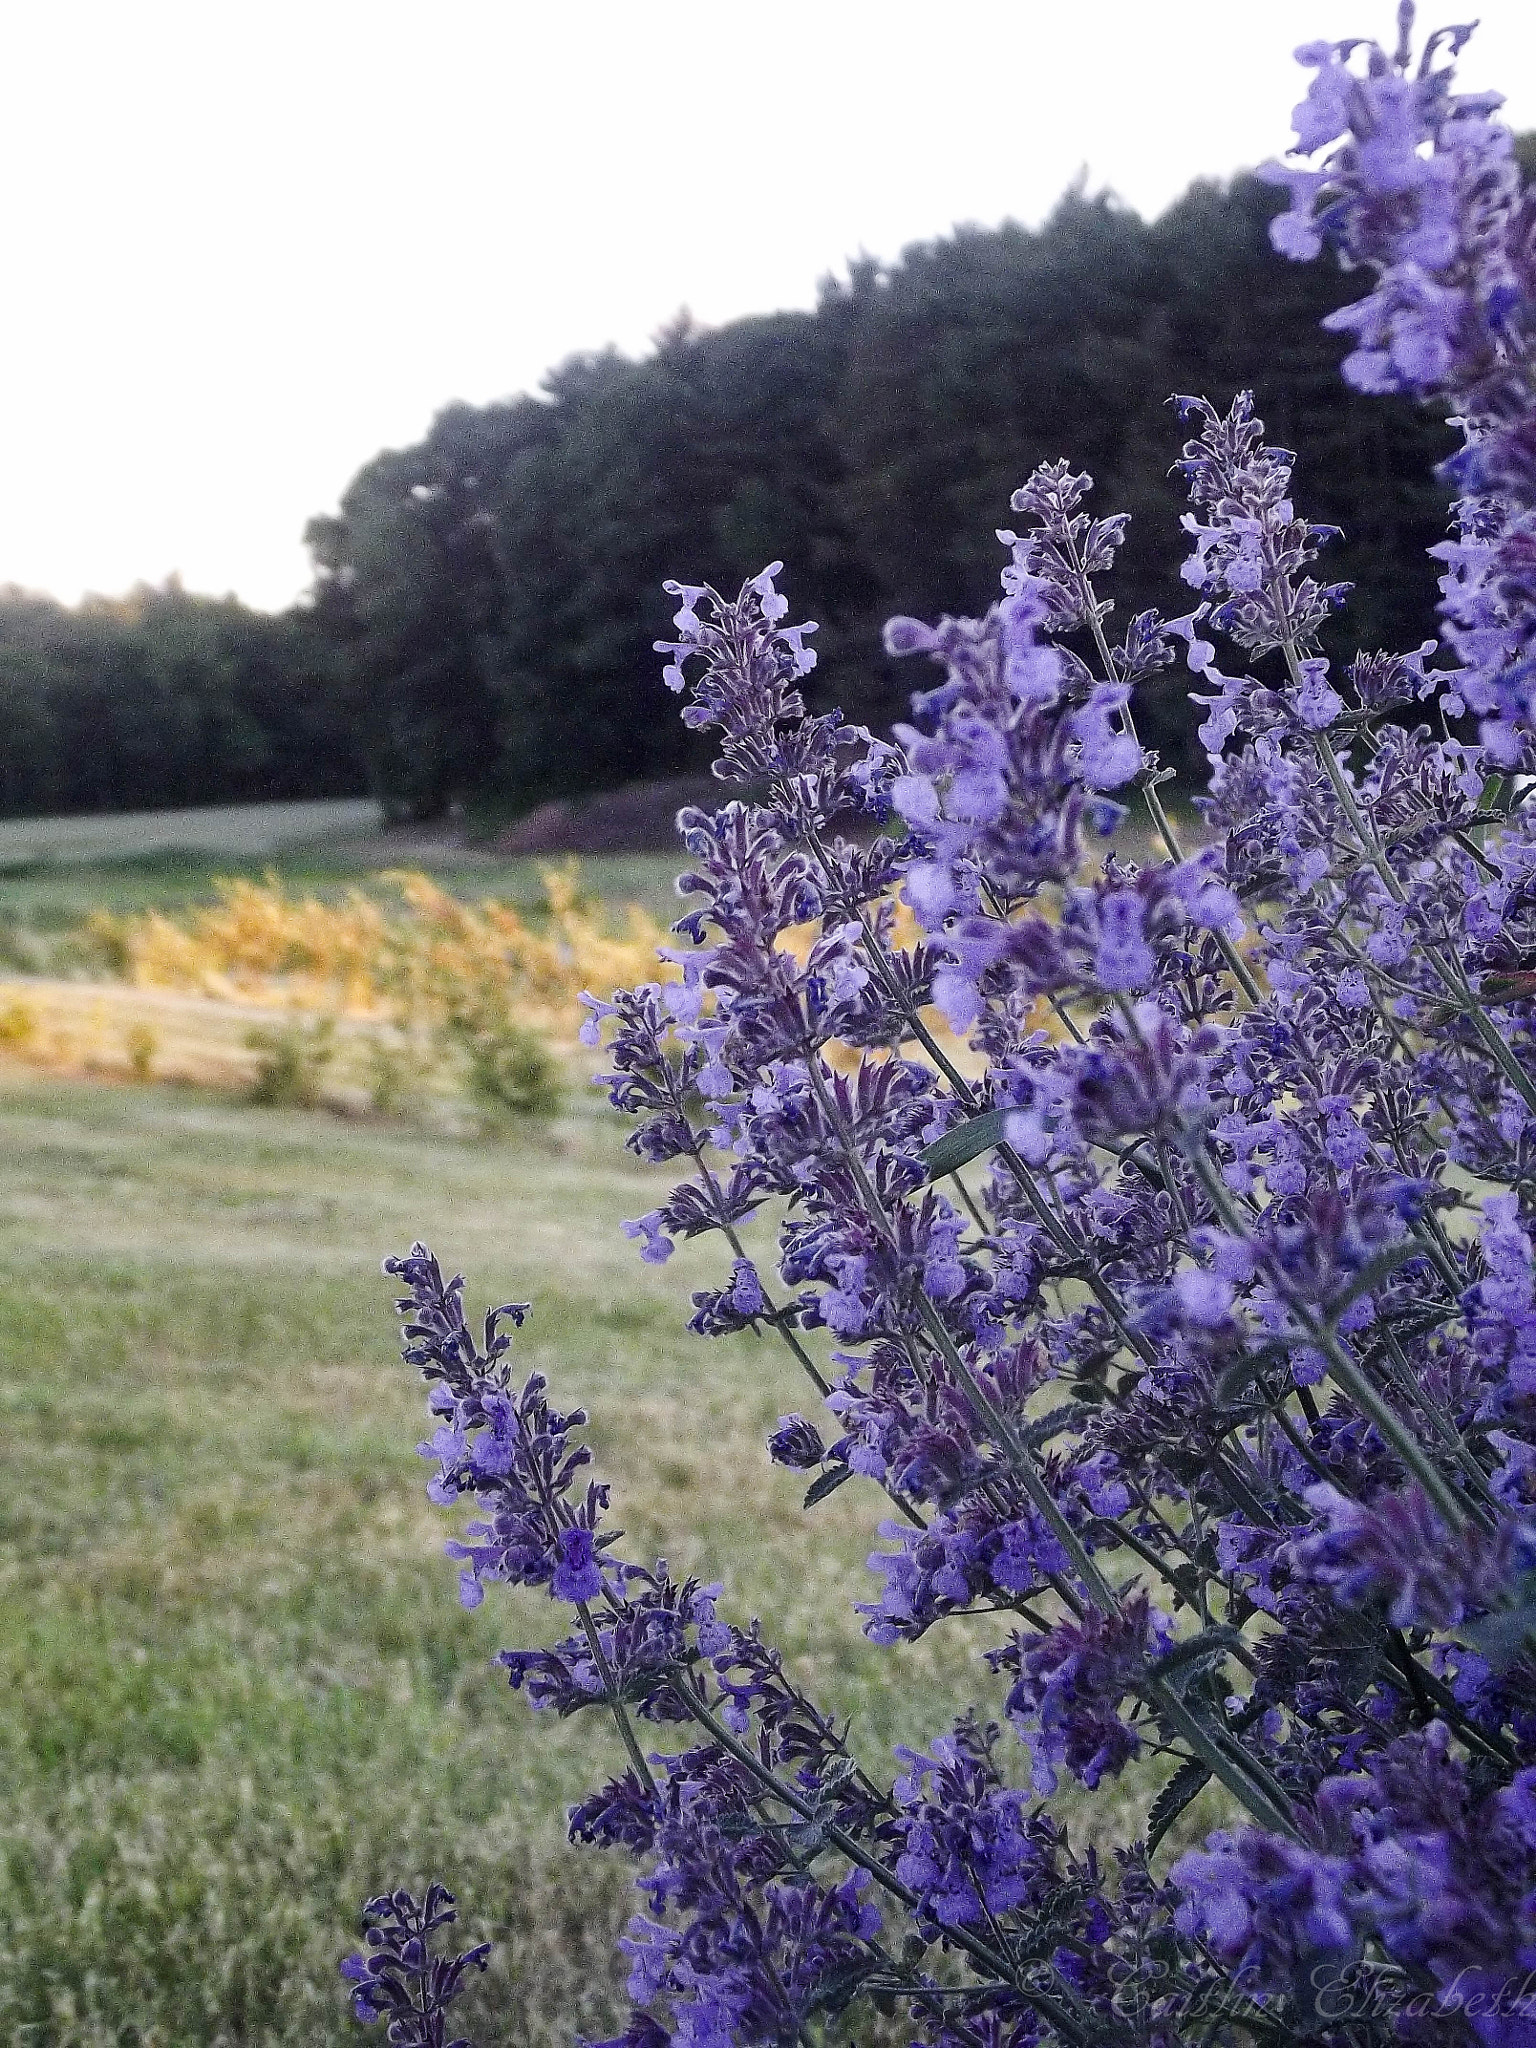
(241, 829)
(237, 1693)
(236, 1690)
(53, 895)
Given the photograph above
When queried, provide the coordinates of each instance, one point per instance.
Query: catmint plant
(1153, 1234)
(398, 1978)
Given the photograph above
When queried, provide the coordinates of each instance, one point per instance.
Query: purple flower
(969, 1848)
(1318, 704)
(1122, 958)
(399, 1979)
(1266, 1906)
(1067, 1695)
(1145, 1076)
(1204, 1298)
(1424, 192)
(576, 1574)
(1108, 756)
(513, 1452)
(796, 1443)
(746, 1289)
(1399, 1552)
(656, 1246)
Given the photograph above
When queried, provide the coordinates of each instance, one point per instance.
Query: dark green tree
(163, 698)
(500, 583)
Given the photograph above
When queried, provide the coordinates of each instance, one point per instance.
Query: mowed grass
(54, 872)
(56, 896)
(247, 829)
(237, 1693)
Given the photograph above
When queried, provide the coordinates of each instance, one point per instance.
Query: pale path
(217, 828)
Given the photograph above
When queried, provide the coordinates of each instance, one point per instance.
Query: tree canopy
(162, 699)
(481, 623)
(501, 581)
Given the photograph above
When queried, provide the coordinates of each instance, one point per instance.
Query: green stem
(611, 1692)
(1412, 1388)
(1345, 1370)
(1162, 824)
(1244, 1777)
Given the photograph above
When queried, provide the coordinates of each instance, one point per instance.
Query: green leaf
(1507, 988)
(828, 1482)
(1197, 1653)
(965, 1142)
(1503, 1635)
(1186, 1784)
(1236, 1379)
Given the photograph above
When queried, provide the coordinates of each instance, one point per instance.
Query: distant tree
(484, 603)
(407, 582)
(496, 589)
(164, 698)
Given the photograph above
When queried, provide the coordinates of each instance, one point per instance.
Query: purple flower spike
(1153, 1212)
(399, 1979)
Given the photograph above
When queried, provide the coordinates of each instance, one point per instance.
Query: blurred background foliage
(163, 698)
(479, 632)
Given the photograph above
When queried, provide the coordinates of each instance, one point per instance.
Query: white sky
(247, 243)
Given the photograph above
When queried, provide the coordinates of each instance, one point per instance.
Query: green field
(55, 871)
(236, 1690)
(48, 889)
(237, 1693)
(245, 830)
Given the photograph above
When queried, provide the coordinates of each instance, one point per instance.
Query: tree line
(162, 699)
(501, 581)
(481, 623)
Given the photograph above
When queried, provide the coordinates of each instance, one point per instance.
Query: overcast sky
(248, 243)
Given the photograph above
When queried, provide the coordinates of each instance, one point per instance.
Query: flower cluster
(399, 1978)
(1419, 184)
(1407, 1852)
(1153, 1223)
(509, 1449)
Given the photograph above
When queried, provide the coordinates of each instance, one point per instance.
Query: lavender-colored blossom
(650, 1231)
(1155, 1223)
(512, 1451)
(1271, 1909)
(1108, 755)
(796, 1443)
(398, 1978)
(1423, 190)
(577, 1575)
(970, 1847)
(1071, 1684)
(1145, 1076)
(1249, 545)
(1398, 1551)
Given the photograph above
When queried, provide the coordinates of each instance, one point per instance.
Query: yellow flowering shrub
(257, 940)
(434, 961)
(413, 987)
